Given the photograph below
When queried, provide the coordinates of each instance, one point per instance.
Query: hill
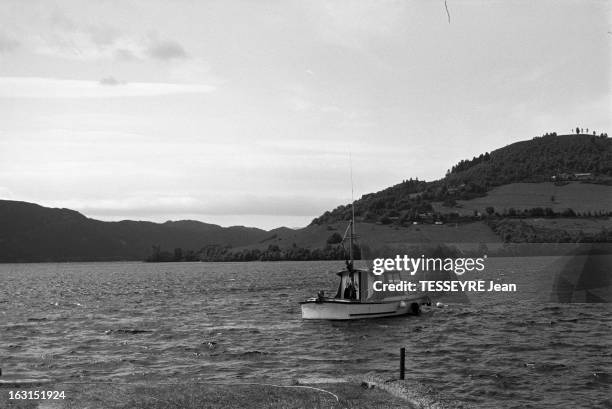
(29, 232)
(536, 160)
(542, 159)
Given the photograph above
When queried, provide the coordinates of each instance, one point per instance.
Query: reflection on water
(220, 321)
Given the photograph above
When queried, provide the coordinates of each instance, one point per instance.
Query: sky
(251, 112)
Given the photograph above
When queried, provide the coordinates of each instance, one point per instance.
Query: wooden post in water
(402, 362)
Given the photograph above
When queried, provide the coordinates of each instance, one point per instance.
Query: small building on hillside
(583, 176)
(571, 176)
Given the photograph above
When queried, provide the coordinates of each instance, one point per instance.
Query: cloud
(71, 38)
(66, 39)
(299, 104)
(192, 70)
(161, 205)
(60, 19)
(166, 50)
(124, 54)
(6, 193)
(34, 87)
(99, 34)
(102, 35)
(7, 43)
(111, 81)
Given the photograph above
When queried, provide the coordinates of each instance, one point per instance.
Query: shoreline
(348, 394)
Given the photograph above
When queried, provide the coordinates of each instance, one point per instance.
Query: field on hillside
(588, 226)
(477, 232)
(376, 235)
(581, 197)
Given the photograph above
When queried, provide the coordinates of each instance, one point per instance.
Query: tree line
(217, 253)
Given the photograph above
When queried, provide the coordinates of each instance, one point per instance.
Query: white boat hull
(333, 309)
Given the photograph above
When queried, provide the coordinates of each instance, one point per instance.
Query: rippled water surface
(223, 321)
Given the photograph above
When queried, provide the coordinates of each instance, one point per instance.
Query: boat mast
(361, 296)
(352, 233)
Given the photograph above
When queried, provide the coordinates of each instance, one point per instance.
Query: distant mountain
(29, 232)
(536, 160)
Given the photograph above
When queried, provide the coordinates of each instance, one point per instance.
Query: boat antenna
(350, 229)
(352, 209)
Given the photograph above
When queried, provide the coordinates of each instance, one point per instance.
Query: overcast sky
(244, 112)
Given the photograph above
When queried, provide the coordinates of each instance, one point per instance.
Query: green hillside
(374, 235)
(583, 198)
(536, 161)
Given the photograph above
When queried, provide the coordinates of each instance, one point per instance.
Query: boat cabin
(349, 287)
(358, 285)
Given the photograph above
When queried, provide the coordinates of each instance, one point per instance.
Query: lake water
(130, 322)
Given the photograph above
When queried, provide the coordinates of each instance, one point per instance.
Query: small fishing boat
(356, 298)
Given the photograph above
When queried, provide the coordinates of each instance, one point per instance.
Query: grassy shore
(209, 396)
